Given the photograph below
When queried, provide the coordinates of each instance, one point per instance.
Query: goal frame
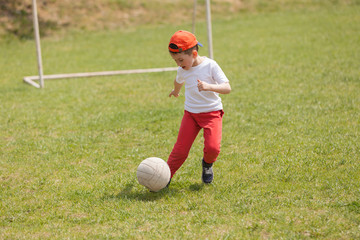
(32, 80)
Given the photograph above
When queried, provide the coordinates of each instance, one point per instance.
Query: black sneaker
(207, 173)
(167, 185)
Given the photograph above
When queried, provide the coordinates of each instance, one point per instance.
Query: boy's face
(184, 60)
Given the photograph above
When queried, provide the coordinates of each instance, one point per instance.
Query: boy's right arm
(177, 87)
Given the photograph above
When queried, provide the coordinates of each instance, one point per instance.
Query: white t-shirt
(205, 101)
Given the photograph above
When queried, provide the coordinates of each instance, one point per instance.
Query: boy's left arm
(223, 88)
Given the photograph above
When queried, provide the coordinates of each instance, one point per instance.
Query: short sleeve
(179, 77)
(218, 74)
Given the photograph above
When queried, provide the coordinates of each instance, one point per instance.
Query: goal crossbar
(31, 80)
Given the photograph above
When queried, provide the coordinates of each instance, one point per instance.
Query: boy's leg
(212, 125)
(188, 131)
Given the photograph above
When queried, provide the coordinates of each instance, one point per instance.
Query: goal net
(38, 81)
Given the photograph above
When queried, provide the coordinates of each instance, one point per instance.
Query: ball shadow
(128, 193)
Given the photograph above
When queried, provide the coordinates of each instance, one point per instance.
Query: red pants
(191, 124)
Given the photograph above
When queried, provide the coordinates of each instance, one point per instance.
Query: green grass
(289, 166)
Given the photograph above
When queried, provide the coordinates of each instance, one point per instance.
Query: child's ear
(195, 53)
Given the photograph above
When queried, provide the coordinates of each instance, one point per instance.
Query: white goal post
(41, 77)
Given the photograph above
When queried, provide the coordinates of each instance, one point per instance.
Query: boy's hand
(203, 86)
(174, 93)
(223, 88)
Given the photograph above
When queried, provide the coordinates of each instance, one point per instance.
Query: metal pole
(37, 40)
(194, 17)
(209, 31)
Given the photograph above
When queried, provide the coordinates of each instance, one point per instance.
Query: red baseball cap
(181, 41)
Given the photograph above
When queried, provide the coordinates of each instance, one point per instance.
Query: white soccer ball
(153, 173)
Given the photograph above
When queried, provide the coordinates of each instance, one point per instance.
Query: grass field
(289, 166)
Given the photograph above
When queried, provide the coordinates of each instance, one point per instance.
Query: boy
(204, 80)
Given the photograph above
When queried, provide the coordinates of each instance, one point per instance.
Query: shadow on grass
(196, 187)
(129, 193)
